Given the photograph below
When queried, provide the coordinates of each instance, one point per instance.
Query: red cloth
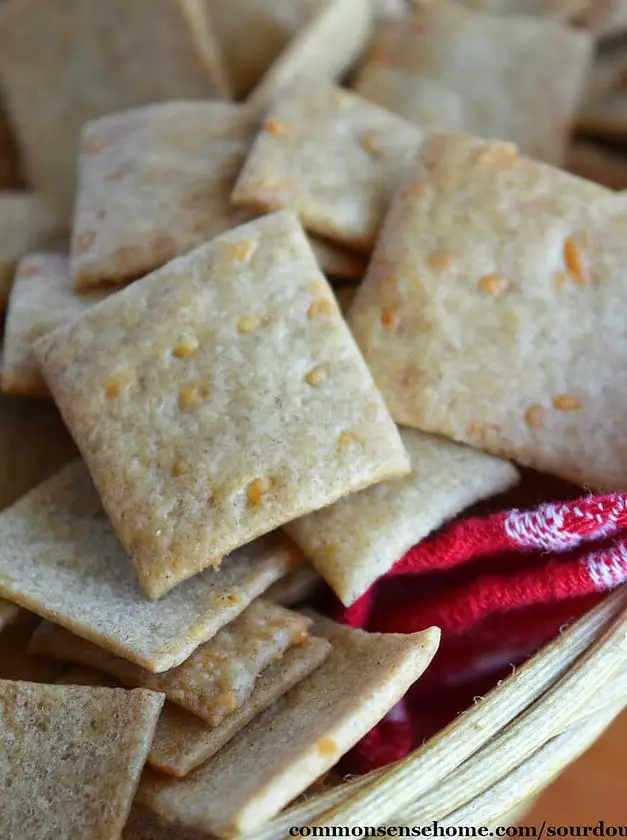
(499, 586)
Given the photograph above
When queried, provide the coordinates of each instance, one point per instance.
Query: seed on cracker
(257, 445)
(325, 48)
(26, 223)
(159, 187)
(331, 157)
(183, 742)
(60, 558)
(359, 538)
(513, 372)
(65, 62)
(72, 756)
(41, 299)
(219, 676)
(433, 73)
(295, 741)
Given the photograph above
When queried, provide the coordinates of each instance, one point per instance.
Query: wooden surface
(593, 788)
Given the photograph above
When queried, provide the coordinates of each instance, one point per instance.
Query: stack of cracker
(206, 421)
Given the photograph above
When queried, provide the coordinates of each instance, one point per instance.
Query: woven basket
(487, 767)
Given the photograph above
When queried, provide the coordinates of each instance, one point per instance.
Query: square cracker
(34, 444)
(491, 274)
(325, 48)
(597, 163)
(359, 538)
(603, 108)
(73, 756)
(198, 436)
(253, 33)
(41, 299)
(331, 157)
(154, 183)
(26, 224)
(60, 558)
(65, 62)
(300, 737)
(218, 677)
(433, 72)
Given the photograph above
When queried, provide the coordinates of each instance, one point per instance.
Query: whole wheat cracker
(491, 274)
(300, 737)
(253, 33)
(41, 299)
(26, 223)
(198, 436)
(65, 62)
(360, 537)
(297, 586)
(182, 742)
(603, 108)
(154, 183)
(218, 677)
(72, 757)
(597, 164)
(34, 443)
(455, 69)
(325, 48)
(331, 157)
(15, 662)
(60, 558)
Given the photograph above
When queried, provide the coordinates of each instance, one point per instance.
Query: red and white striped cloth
(500, 586)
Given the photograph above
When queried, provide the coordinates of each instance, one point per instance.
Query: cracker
(335, 261)
(324, 49)
(253, 34)
(60, 558)
(507, 268)
(154, 183)
(553, 9)
(177, 392)
(72, 756)
(297, 586)
(34, 444)
(66, 62)
(597, 164)
(15, 662)
(299, 738)
(182, 742)
(603, 109)
(360, 538)
(331, 157)
(26, 224)
(219, 676)
(434, 73)
(8, 613)
(41, 299)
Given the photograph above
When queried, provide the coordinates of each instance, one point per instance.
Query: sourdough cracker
(324, 49)
(182, 742)
(433, 72)
(597, 164)
(218, 677)
(41, 299)
(359, 538)
(297, 739)
(195, 424)
(491, 274)
(73, 756)
(65, 62)
(253, 34)
(297, 586)
(26, 224)
(603, 109)
(331, 157)
(154, 183)
(60, 558)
